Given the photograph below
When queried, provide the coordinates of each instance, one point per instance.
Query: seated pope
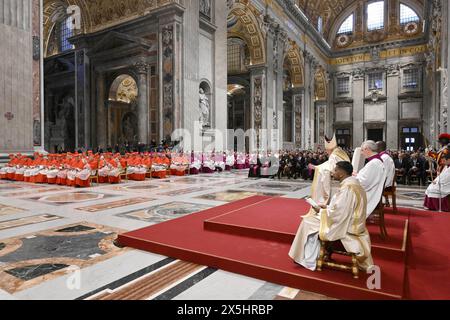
(439, 190)
(343, 219)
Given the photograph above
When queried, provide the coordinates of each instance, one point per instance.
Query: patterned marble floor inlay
(9, 224)
(278, 186)
(29, 260)
(183, 191)
(140, 187)
(33, 192)
(70, 198)
(235, 195)
(164, 212)
(411, 195)
(115, 204)
(7, 210)
(12, 186)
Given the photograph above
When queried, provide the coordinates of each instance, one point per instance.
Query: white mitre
(332, 144)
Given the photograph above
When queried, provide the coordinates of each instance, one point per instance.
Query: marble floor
(57, 242)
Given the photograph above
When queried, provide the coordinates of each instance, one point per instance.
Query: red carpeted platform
(277, 219)
(187, 239)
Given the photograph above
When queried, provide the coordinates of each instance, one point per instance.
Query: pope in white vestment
(439, 190)
(344, 219)
(321, 190)
(373, 178)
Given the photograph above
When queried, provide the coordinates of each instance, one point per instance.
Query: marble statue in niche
(64, 115)
(129, 127)
(204, 108)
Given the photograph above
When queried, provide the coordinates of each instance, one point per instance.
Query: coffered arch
(244, 24)
(295, 59)
(55, 10)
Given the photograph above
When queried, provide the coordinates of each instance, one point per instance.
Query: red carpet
(186, 239)
(277, 219)
(428, 261)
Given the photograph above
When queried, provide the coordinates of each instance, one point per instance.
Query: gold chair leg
(321, 256)
(355, 269)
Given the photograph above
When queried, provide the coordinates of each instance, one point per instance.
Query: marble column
(17, 107)
(143, 108)
(101, 111)
(258, 103)
(297, 101)
(358, 108)
(38, 60)
(278, 123)
(171, 82)
(392, 105)
(270, 83)
(309, 102)
(329, 125)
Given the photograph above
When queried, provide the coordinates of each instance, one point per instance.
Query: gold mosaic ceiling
(329, 10)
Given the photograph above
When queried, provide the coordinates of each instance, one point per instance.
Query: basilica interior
(80, 75)
(99, 74)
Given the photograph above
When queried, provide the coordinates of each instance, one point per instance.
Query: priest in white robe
(321, 190)
(373, 176)
(343, 219)
(388, 162)
(439, 190)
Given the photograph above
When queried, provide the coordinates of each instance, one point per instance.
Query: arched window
(238, 56)
(347, 26)
(375, 16)
(65, 33)
(320, 24)
(407, 15)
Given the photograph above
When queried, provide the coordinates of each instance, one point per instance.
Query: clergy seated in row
(373, 176)
(209, 164)
(255, 166)
(439, 190)
(160, 165)
(219, 162)
(109, 169)
(344, 220)
(241, 161)
(137, 167)
(180, 163)
(270, 166)
(196, 163)
(229, 161)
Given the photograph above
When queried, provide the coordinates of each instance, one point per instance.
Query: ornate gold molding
(385, 54)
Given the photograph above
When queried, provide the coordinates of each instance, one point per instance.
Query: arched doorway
(122, 111)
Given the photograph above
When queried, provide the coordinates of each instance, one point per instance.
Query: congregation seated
(80, 168)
